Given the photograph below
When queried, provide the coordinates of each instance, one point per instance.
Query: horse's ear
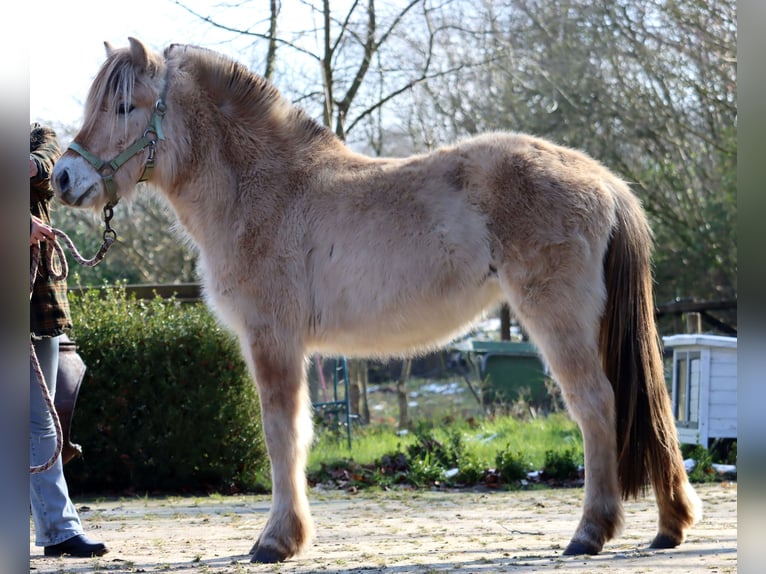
(109, 49)
(138, 54)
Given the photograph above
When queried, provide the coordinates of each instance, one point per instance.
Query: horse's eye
(123, 109)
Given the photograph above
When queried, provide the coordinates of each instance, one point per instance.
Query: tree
(648, 88)
(339, 64)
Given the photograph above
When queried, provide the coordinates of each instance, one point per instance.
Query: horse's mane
(225, 79)
(238, 92)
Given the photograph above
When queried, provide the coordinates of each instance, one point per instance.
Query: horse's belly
(415, 328)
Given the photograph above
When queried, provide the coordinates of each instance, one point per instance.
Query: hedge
(166, 404)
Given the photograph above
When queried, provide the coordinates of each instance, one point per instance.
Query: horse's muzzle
(61, 182)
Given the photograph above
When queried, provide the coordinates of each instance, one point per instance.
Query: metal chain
(109, 237)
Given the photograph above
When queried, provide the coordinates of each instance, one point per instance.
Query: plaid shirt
(49, 307)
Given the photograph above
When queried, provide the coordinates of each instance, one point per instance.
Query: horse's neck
(215, 196)
(249, 174)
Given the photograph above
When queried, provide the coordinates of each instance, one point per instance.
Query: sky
(63, 64)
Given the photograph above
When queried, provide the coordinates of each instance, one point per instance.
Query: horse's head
(115, 147)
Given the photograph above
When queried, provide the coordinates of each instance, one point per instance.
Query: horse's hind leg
(678, 504)
(563, 322)
(575, 364)
(285, 411)
(679, 507)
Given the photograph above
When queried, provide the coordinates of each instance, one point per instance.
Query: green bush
(425, 471)
(703, 469)
(471, 470)
(428, 449)
(511, 466)
(561, 465)
(166, 404)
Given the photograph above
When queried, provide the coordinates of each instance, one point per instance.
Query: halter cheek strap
(107, 169)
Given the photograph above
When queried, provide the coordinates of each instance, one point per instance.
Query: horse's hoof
(578, 548)
(664, 541)
(266, 555)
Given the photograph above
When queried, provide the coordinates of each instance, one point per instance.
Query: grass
(483, 438)
(449, 440)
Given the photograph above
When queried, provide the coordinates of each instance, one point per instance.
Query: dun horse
(306, 246)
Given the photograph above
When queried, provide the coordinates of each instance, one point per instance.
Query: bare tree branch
(250, 33)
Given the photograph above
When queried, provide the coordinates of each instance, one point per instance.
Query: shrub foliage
(166, 403)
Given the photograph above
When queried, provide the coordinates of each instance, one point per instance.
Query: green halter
(107, 169)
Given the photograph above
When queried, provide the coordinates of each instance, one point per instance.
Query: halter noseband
(107, 169)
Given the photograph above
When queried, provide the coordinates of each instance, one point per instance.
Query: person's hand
(40, 231)
(32, 167)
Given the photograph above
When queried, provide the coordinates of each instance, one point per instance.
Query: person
(57, 525)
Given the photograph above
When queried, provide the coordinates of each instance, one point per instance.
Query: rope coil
(109, 237)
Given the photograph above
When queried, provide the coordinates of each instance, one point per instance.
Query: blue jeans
(54, 515)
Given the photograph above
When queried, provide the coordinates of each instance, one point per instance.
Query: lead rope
(109, 237)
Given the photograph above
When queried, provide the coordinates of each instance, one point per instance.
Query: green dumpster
(511, 369)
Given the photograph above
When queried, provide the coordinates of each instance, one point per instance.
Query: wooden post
(693, 323)
(401, 392)
(505, 323)
(358, 378)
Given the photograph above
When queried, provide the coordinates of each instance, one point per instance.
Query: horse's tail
(647, 447)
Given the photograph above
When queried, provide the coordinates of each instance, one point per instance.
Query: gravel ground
(394, 532)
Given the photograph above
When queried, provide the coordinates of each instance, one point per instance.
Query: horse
(306, 246)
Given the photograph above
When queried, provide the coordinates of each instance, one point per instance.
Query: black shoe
(79, 546)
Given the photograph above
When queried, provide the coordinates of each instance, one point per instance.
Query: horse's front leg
(287, 427)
